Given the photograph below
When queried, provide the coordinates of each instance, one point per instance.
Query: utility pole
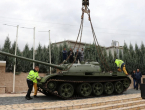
(49, 47)
(49, 50)
(15, 59)
(34, 48)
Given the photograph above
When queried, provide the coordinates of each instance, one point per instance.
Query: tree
(137, 57)
(126, 57)
(120, 54)
(39, 55)
(60, 56)
(9, 60)
(111, 61)
(45, 58)
(26, 65)
(1, 55)
(18, 61)
(55, 54)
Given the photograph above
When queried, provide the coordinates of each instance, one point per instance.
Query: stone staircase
(117, 102)
(122, 102)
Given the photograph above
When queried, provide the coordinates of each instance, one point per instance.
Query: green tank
(80, 80)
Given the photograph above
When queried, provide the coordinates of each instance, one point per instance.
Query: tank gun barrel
(31, 60)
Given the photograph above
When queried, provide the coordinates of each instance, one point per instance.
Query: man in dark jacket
(134, 79)
(70, 55)
(78, 54)
(64, 52)
(138, 76)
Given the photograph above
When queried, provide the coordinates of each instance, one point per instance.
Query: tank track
(77, 82)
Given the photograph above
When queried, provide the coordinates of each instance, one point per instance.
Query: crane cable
(103, 61)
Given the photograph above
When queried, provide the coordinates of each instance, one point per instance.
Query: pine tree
(9, 60)
(120, 54)
(45, 58)
(111, 61)
(18, 61)
(60, 56)
(39, 55)
(137, 57)
(115, 55)
(55, 54)
(0, 55)
(126, 55)
(26, 65)
(142, 52)
(106, 60)
(132, 58)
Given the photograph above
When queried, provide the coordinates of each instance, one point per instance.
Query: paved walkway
(18, 102)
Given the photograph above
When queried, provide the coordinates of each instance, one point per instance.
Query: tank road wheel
(84, 89)
(126, 83)
(118, 87)
(108, 88)
(66, 90)
(51, 86)
(97, 89)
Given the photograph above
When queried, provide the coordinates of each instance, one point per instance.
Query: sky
(118, 20)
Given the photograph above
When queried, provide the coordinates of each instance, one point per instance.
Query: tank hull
(84, 85)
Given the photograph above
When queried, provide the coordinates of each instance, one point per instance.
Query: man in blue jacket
(138, 76)
(134, 79)
(64, 53)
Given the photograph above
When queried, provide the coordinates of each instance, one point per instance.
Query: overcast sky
(120, 20)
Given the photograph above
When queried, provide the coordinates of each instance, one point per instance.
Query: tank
(79, 80)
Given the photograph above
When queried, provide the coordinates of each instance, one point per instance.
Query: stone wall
(6, 80)
(20, 82)
(2, 77)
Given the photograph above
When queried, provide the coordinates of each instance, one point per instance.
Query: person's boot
(35, 96)
(28, 98)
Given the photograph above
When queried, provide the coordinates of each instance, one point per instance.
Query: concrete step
(101, 102)
(116, 105)
(135, 107)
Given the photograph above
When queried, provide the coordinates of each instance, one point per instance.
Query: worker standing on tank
(77, 55)
(120, 65)
(70, 55)
(82, 55)
(64, 52)
(32, 76)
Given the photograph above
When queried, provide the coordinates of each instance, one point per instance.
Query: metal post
(49, 50)
(34, 48)
(15, 60)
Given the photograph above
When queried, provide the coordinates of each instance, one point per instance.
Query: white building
(71, 44)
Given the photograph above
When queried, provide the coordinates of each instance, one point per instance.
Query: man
(64, 52)
(77, 55)
(32, 76)
(138, 76)
(134, 79)
(70, 55)
(82, 55)
(121, 66)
